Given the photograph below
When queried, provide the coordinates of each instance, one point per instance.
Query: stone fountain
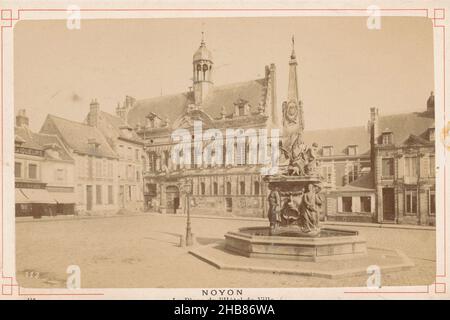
(295, 203)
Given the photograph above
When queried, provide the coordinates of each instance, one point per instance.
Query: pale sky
(344, 68)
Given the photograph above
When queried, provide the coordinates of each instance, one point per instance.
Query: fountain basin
(329, 244)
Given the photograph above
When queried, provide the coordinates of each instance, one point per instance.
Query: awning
(20, 197)
(63, 197)
(38, 196)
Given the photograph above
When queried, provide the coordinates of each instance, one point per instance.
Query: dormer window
(327, 151)
(93, 144)
(352, 150)
(387, 137)
(431, 134)
(242, 108)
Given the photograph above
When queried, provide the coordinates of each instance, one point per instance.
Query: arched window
(242, 187)
(199, 68)
(205, 68)
(202, 188)
(215, 188)
(256, 187)
(228, 187)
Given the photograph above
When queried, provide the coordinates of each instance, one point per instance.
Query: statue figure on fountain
(302, 159)
(275, 208)
(294, 200)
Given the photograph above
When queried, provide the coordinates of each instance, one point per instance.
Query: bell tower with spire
(202, 72)
(292, 109)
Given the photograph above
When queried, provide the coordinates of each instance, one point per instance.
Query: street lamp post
(188, 190)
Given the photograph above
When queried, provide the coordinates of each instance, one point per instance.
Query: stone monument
(295, 200)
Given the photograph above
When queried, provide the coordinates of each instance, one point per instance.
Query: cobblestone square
(142, 251)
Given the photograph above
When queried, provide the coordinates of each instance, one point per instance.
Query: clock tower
(292, 108)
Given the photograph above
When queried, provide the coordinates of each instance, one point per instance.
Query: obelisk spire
(293, 83)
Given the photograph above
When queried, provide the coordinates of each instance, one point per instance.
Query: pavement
(142, 251)
(327, 223)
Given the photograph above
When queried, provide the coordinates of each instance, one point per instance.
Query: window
(152, 162)
(98, 168)
(242, 110)
(432, 203)
(432, 166)
(242, 187)
(59, 175)
(215, 188)
(130, 153)
(411, 166)
(240, 154)
(411, 202)
(327, 151)
(387, 167)
(110, 195)
(130, 194)
(365, 204)
(136, 154)
(121, 152)
(327, 173)
(256, 188)
(347, 204)
(110, 169)
(352, 150)
(98, 194)
(228, 187)
(32, 171)
(202, 188)
(388, 138)
(104, 168)
(352, 172)
(18, 169)
(129, 171)
(138, 176)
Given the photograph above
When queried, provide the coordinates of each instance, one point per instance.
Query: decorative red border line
(7, 15)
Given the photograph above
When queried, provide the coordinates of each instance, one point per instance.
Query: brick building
(403, 152)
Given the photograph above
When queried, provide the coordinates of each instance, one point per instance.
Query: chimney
(430, 103)
(93, 113)
(374, 122)
(22, 119)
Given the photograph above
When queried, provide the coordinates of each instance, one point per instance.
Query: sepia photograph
(215, 153)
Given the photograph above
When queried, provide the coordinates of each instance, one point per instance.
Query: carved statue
(274, 208)
(302, 159)
(295, 211)
(309, 210)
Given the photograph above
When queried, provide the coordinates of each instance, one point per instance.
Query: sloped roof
(405, 124)
(76, 135)
(340, 139)
(362, 184)
(111, 126)
(171, 106)
(40, 141)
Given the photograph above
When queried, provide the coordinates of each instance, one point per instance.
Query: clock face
(291, 111)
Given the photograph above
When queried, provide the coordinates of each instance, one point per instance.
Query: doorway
(88, 198)
(229, 204)
(173, 199)
(388, 205)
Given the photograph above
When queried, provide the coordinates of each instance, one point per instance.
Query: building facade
(403, 150)
(108, 159)
(95, 161)
(226, 187)
(44, 173)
